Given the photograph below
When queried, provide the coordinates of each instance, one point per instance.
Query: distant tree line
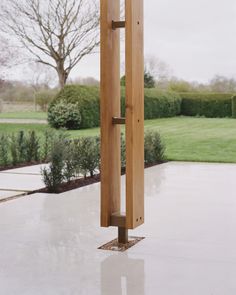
(218, 84)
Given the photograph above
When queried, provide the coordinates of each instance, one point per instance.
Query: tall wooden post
(110, 107)
(110, 116)
(134, 114)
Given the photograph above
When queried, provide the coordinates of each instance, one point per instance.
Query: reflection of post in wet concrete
(121, 275)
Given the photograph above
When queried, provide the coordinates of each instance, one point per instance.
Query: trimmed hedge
(234, 106)
(210, 105)
(86, 99)
(159, 104)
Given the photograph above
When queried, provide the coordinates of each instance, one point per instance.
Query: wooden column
(110, 107)
(111, 120)
(134, 114)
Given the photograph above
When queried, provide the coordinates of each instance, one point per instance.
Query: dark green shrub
(53, 176)
(49, 137)
(154, 149)
(18, 145)
(210, 105)
(32, 147)
(84, 99)
(234, 106)
(88, 155)
(71, 163)
(24, 148)
(13, 149)
(4, 147)
(21, 147)
(64, 115)
(157, 104)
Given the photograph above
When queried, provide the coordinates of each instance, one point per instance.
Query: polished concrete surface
(24, 179)
(34, 170)
(48, 244)
(9, 194)
(20, 182)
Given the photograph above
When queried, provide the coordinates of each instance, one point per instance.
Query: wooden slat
(134, 114)
(110, 107)
(118, 24)
(119, 121)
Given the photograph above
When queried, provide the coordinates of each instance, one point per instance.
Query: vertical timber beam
(134, 114)
(110, 107)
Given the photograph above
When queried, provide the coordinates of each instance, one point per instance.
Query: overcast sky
(197, 38)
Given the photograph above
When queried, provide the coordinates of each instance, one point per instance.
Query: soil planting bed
(68, 186)
(77, 183)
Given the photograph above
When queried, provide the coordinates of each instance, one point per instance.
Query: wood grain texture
(110, 107)
(134, 114)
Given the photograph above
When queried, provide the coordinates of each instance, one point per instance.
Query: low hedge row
(86, 112)
(210, 105)
(71, 158)
(78, 107)
(21, 148)
(157, 104)
(234, 106)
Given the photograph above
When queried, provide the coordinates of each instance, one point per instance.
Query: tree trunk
(62, 75)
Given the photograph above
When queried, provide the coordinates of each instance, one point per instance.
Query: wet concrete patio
(20, 181)
(48, 243)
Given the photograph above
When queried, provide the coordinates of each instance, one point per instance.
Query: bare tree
(7, 55)
(58, 33)
(40, 76)
(7, 59)
(157, 68)
(4, 57)
(223, 84)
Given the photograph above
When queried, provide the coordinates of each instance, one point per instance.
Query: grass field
(24, 115)
(186, 138)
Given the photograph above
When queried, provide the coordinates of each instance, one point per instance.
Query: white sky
(197, 38)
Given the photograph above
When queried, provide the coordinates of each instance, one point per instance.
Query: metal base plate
(115, 246)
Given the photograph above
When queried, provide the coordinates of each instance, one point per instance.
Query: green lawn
(24, 115)
(186, 138)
